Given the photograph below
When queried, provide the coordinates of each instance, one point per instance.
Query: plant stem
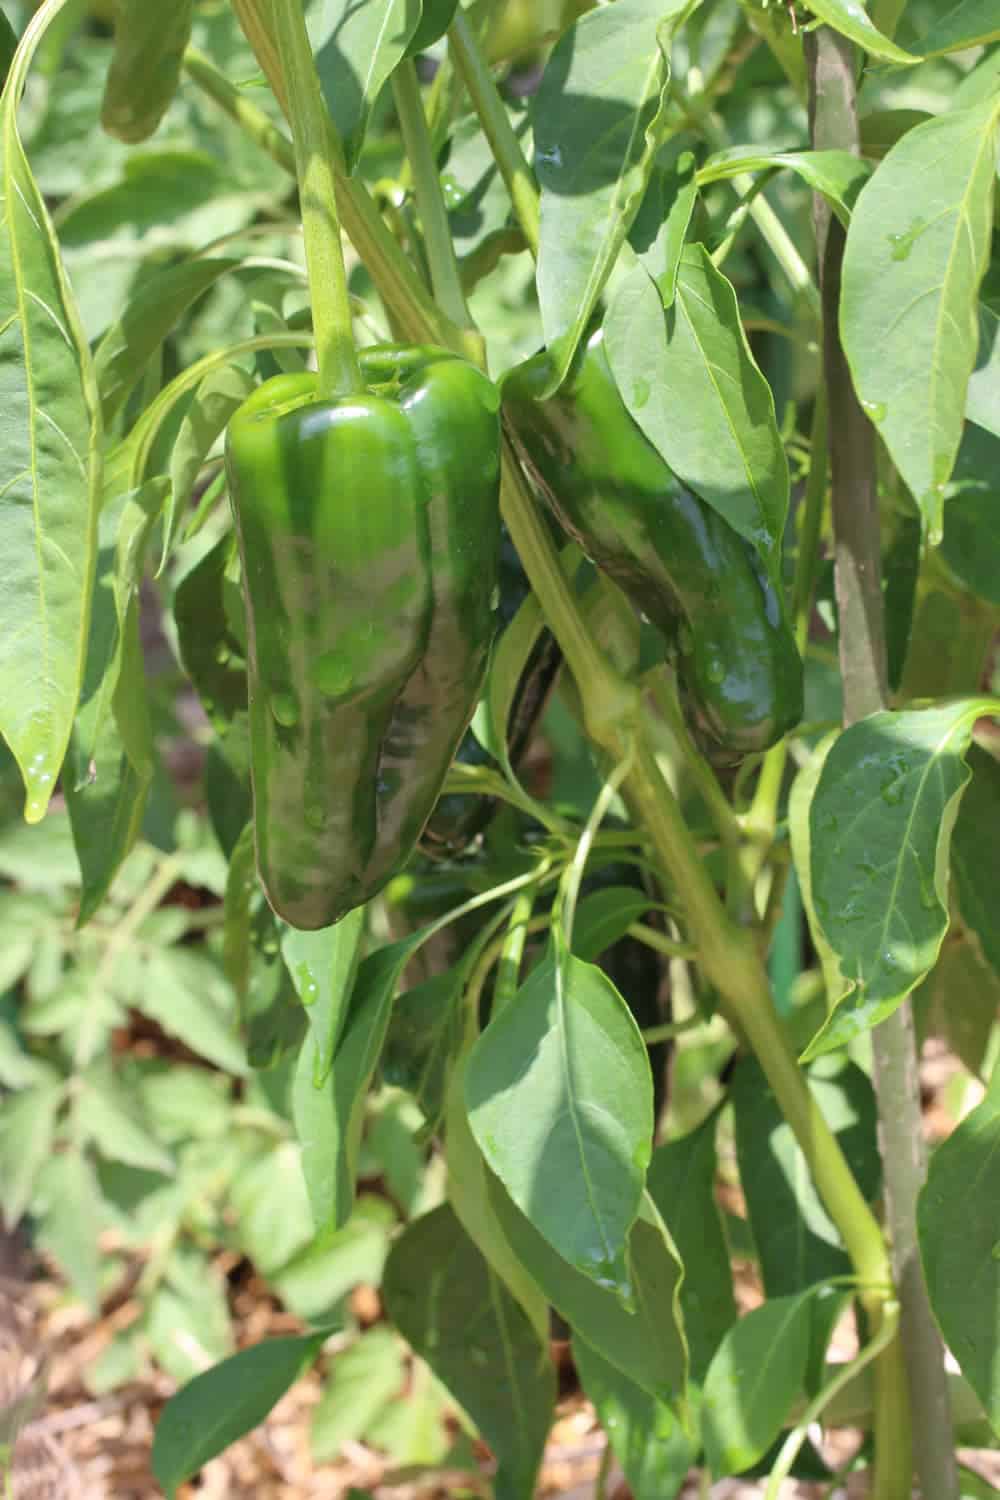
(493, 117)
(445, 279)
(316, 144)
(834, 125)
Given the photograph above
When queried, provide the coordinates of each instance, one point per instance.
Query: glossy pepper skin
(678, 561)
(368, 529)
(458, 819)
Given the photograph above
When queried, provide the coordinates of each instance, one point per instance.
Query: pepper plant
(726, 546)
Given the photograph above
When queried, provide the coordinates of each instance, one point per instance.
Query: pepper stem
(315, 145)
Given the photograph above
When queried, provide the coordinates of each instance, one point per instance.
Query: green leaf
(27, 1130)
(970, 545)
(960, 1245)
(649, 1442)
(323, 965)
(241, 886)
(314, 1283)
(211, 654)
(187, 1318)
(916, 252)
(51, 482)
(190, 998)
(838, 175)
(850, 18)
(753, 1381)
(231, 1399)
(329, 1117)
(145, 66)
(105, 1112)
(880, 826)
(963, 23)
(974, 853)
(604, 917)
(598, 120)
(456, 1314)
(695, 359)
(67, 1206)
(215, 400)
(270, 1208)
(982, 404)
(363, 1380)
(647, 1343)
(681, 1183)
(560, 1101)
(424, 1037)
(960, 999)
(357, 44)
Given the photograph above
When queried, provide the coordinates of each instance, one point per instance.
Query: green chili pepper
(678, 561)
(369, 534)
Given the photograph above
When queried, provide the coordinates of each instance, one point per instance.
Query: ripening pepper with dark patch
(676, 558)
(369, 533)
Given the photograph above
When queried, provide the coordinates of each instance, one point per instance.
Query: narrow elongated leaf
(649, 1442)
(147, 318)
(850, 18)
(982, 404)
(50, 486)
(598, 121)
(323, 965)
(880, 828)
(838, 175)
(647, 1342)
(145, 66)
(974, 853)
(691, 383)
(753, 1381)
(456, 1313)
(916, 252)
(681, 1183)
(960, 24)
(959, 1235)
(560, 1101)
(232, 1398)
(357, 45)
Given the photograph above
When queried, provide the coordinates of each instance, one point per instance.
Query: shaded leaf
(974, 853)
(357, 44)
(916, 252)
(651, 1445)
(961, 24)
(982, 404)
(603, 917)
(232, 1398)
(457, 1314)
(960, 1000)
(145, 66)
(424, 1037)
(971, 542)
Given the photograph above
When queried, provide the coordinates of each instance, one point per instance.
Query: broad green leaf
(106, 807)
(214, 402)
(654, 1450)
(960, 1245)
(231, 1399)
(974, 853)
(982, 404)
(323, 965)
(753, 1381)
(646, 1343)
(604, 917)
(51, 482)
(145, 66)
(694, 359)
(838, 175)
(560, 1101)
(850, 18)
(329, 1117)
(599, 119)
(190, 998)
(681, 1183)
(66, 1204)
(363, 1380)
(357, 44)
(960, 1001)
(916, 252)
(456, 1313)
(960, 24)
(880, 825)
(27, 1129)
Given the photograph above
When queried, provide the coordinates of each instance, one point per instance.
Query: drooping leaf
(838, 175)
(598, 122)
(560, 1101)
(963, 23)
(145, 66)
(974, 853)
(216, 1408)
(695, 359)
(752, 1382)
(850, 18)
(649, 1442)
(916, 252)
(959, 1238)
(646, 1343)
(682, 1185)
(323, 965)
(880, 825)
(457, 1314)
(51, 481)
(357, 44)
